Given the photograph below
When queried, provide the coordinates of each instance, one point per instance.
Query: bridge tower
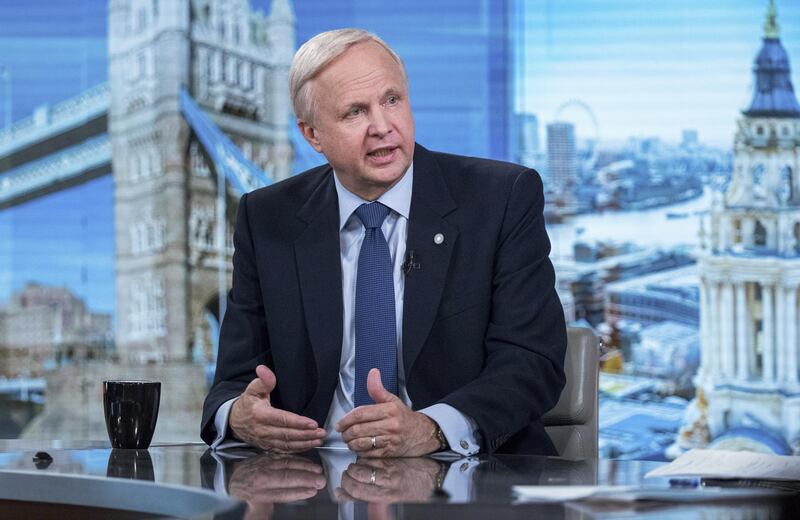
(235, 62)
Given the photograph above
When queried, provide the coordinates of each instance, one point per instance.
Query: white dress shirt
(458, 429)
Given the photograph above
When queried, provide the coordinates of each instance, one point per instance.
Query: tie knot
(372, 215)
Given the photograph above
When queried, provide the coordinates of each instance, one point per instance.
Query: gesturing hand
(254, 420)
(398, 431)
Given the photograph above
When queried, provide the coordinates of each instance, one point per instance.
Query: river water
(650, 227)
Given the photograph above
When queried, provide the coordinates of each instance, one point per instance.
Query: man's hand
(389, 480)
(398, 431)
(254, 420)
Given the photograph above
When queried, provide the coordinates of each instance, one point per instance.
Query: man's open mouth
(381, 152)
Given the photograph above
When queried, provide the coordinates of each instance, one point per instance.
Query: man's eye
(392, 100)
(355, 111)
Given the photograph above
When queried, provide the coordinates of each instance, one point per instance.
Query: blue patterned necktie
(376, 329)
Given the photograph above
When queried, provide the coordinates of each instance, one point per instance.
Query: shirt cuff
(222, 441)
(459, 429)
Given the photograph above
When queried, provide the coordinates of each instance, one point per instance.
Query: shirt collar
(397, 198)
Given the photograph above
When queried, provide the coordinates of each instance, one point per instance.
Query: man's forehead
(360, 54)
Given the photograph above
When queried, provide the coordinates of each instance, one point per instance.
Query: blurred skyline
(649, 68)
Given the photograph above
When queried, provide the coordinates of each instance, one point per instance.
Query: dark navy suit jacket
(483, 328)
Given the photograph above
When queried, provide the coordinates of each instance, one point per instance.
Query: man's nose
(379, 124)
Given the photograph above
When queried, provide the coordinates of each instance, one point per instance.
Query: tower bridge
(55, 148)
(195, 111)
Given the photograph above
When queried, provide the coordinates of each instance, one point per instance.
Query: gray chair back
(572, 423)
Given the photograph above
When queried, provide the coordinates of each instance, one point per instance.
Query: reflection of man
(410, 479)
(265, 479)
(401, 298)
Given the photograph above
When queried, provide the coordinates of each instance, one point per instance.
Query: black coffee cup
(131, 410)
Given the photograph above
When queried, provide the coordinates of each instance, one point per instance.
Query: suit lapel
(319, 270)
(430, 202)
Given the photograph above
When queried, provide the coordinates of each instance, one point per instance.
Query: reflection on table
(335, 484)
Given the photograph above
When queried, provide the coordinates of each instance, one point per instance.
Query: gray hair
(315, 54)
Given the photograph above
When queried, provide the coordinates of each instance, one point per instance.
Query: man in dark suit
(396, 300)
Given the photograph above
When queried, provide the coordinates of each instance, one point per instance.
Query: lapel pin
(438, 238)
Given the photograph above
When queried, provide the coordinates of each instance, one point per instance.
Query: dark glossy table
(332, 484)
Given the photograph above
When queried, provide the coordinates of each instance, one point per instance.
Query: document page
(731, 465)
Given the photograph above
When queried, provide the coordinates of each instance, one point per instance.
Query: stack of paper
(633, 494)
(759, 474)
(731, 465)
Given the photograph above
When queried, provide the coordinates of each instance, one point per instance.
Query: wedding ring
(373, 475)
(374, 445)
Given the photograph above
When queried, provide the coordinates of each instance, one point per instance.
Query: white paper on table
(633, 493)
(563, 493)
(731, 464)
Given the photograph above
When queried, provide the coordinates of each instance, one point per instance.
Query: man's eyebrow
(354, 104)
(391, 91)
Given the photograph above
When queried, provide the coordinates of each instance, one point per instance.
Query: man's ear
(310, 134)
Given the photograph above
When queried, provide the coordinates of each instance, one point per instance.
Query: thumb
(267, 378)
(375, 388)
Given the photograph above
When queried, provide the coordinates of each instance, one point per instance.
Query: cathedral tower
(749, 264)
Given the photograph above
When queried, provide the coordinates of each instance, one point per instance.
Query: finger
(362, 414)
(267, 431)
(364, 472)
(285, 478)
(382, 466)
(343, 496)
(376, 390)
(256, 388)
(290, 462)
(365, 492)
(267, 378)
(276, 417)
(357, 490)
(290, 446)
(291, 478)
(288, 495)
(363, 446)
(368, 429)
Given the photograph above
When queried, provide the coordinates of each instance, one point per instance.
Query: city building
(41, 327)
(597, 265)
(566, 275)
(749, 267)
(562, 158)
(670, 295)
(668, 351)
(636, 421)
(525, 141)
(561, 176)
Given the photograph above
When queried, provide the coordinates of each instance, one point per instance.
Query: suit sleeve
(525, 340)
(243, 340)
